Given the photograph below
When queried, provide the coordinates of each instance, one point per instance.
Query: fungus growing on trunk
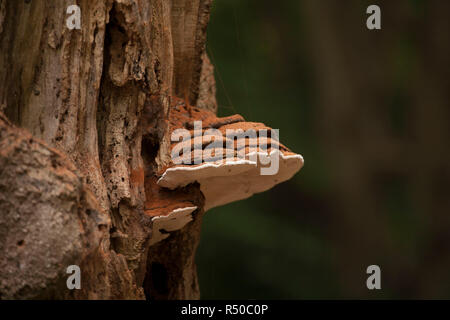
(231, 159)
(175, 220)
(169, 210)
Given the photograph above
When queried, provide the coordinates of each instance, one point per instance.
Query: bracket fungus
(230, 158)
(169, 210)
(175, 220)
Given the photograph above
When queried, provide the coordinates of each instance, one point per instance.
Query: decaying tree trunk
(83, 130)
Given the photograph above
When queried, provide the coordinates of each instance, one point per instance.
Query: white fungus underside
(175, 220)
(222, 182)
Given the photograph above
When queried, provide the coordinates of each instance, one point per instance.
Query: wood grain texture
(101, 96)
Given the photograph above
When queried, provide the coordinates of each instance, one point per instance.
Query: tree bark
(92, 106)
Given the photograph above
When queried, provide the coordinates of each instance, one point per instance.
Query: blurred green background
(370, 113)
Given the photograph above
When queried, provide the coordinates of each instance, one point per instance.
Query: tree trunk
(93, 104)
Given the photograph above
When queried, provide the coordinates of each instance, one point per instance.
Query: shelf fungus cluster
(230, 158)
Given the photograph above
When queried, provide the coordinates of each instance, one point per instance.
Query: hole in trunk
(156, 281)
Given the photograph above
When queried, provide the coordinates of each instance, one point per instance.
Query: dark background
(370, 113)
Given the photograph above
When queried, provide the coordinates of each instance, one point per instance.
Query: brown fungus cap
(240, 175)
(169, 210)
(166, 223)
